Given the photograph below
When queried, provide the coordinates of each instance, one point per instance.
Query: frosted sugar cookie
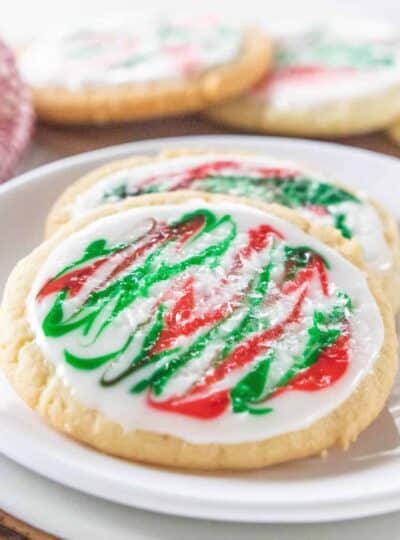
(252, 176)
(328, 80)
(193, 330)
(142, 69)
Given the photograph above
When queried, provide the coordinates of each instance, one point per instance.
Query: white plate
(49, 506)
(364, 481)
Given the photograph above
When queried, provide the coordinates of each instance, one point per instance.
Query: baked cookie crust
(394, 132)
(337, 119)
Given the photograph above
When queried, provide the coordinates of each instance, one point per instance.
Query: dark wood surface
(14, 529)
(51, 143)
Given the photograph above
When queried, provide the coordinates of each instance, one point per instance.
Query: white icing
(366, 226)
(139, 52)
(292, 411)
(362, 218)
(298, 92)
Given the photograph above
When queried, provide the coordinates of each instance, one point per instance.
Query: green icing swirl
(318, 48)
(293, 191)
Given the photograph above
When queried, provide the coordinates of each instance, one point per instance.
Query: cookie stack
(206, 309)
(319, 80)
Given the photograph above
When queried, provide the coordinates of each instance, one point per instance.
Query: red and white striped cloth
(16, 114)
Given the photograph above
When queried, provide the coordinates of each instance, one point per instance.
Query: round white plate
(49, 506)
(363, 481)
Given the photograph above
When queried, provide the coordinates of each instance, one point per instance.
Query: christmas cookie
(193, 330)
(129, 72)
(254, 177)
(328, 80)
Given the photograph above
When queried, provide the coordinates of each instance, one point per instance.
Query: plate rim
(99, 153)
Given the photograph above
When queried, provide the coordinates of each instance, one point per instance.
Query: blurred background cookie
(329, 79)
(394, 132)
(142, 69)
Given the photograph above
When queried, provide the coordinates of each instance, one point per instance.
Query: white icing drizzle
(139, 52)
(362, 217)
(292, 411)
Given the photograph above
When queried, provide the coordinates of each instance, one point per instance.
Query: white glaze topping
(291, 410)
(135, 52)
(318, 63)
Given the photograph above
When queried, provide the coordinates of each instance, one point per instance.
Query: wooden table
(51, 143)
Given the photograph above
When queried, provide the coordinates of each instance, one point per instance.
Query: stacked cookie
(206, 310)
(323, 80)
